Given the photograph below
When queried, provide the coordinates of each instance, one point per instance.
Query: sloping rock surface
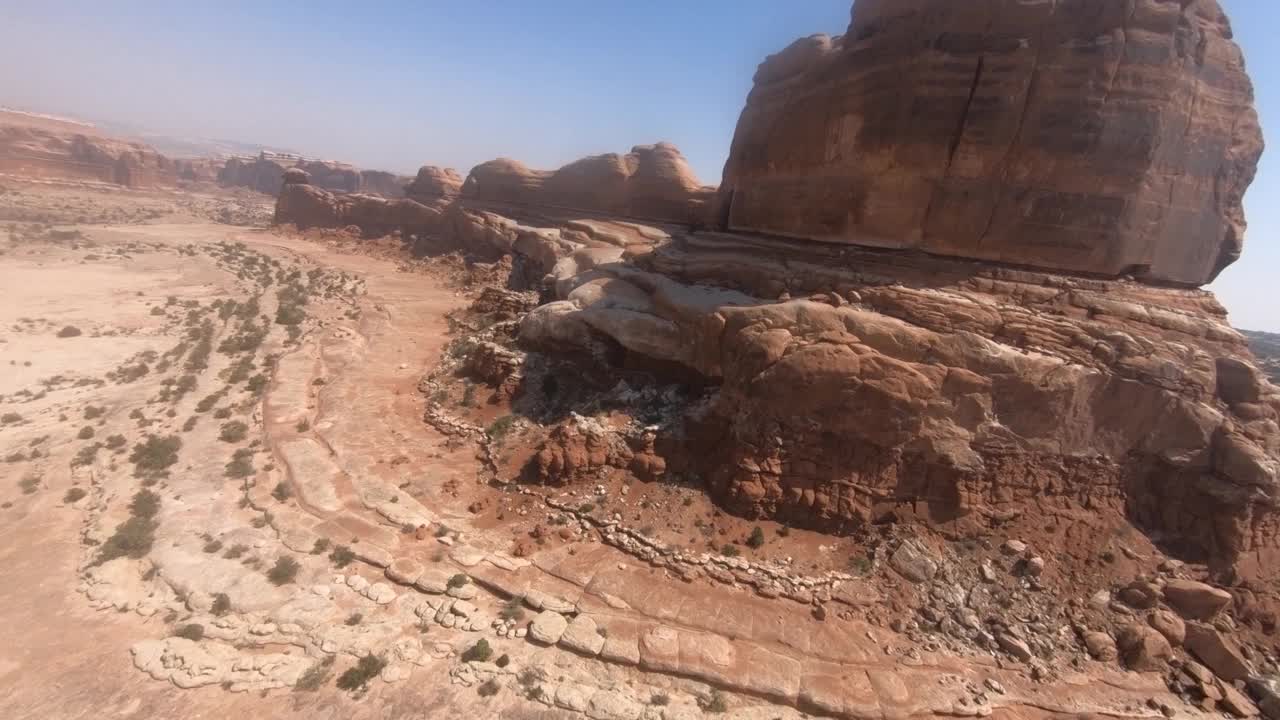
(1102, 137)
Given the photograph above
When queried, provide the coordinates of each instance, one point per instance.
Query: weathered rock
(583, 636)
(1169, 625)
(1195, 600)
(1033, 134)
(1016, 647)
(547, 627)
(652, 181)
(434, 183)
(1101, 646)
(1266, 690)
(1143, 649)
(405, 571)
(1140, 594)
(913, 562)
(433, 581)
(1218, 653)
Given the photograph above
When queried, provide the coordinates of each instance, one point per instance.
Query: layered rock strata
(652, 182)
(37, 147)
(1111, 138)
(265, 174)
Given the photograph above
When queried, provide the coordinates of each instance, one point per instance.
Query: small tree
(480, 652)
(756, 540)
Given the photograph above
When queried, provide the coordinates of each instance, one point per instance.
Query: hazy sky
(395, 85)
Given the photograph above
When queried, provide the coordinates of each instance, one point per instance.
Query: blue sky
(395, 85)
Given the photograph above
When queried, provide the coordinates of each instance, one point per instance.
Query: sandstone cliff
(1111, 138)
(265, 174)
(651, 182)
(434, 183)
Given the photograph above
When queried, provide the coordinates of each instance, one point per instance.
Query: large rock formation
(1111, 137)
(265, 174)
(434, 183)
(651, 182)
(307, 206)
(36, 146)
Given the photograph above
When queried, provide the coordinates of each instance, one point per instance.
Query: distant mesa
(265, 171)
(1115, 141)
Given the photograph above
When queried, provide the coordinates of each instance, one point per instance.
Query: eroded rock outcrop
(434, 183)
(652, 182)
(1117, 138)
(265, 174)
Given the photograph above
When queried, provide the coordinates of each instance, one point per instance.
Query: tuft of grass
(315, 676)
(284, 571)
(659, 699)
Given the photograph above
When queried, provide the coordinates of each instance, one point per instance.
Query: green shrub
(480, 652)
(145, 504)
(314, 677)
(729, 550)
(757, 538)
(69, 331)
(284, 571)
(132, 538)
(458, 580)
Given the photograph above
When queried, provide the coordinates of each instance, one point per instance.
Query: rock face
(307, 206)
(652, 182)
(1112, 138)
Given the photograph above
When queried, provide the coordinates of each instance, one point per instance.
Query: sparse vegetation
(342, 556)
(489, 688)
(303, 426)
(729, 550)
(241, 464)
(321, 545)
(354, 619)
(458, 580)
(191, 631)
(84, 456)
(366, 669)
(502, 661)
(69, 331)
(513, 609)
(756, 540)
(29, 484)
(10, 418)
(314, 677)
(501, 427)
(233, 432)
(715, 703)
(221, 604)
(86, 433)
(480, 652)
(92, 413)
(156, 454)
(284, 571)
(115, 442)
(282, 492)
(235, 551)
(659, 699)
(213, 546)
(74, 495)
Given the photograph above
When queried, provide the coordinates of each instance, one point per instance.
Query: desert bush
(729, 550)
(489, 688)
(145, 504)
(366, 669)
(86, 433)
(132, 538)
(84, 456)
(715, 703)
(321, 545)
(458, 580)
(74, 494)
(241, 464)
(29, 484)
(69, 331)
(156, 454)
(659, 699)
(233, 432)
(91, 412)
(282, 493)
(213, 546)
(10, 418)
(284, 571)
(756, 540)
(501, 427)
(115, 442)
(221, 605)
(15, 457)
(480, 652)
(502, 661)
(354, 619)
(302, 426)
(191, 631)
(342, 556)
(235, 551)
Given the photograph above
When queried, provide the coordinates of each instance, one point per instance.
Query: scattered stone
(1014, 547)
(1016, 647)
(1140, 594)
(1034, 567)
(583, 636)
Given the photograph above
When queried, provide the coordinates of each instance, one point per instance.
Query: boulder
(1218, 653)
(912, 561)
(1195, 600)
(1140, 594)
(405, 571)
(1143, 649)
(583, 636)
(1101, 646)
(1169, 625)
